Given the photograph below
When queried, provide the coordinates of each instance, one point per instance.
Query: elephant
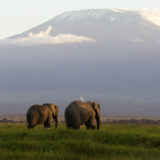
(42, 114)
(78, 113)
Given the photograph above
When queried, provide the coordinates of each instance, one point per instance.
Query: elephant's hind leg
(30, 126)
(31, 123)
(92, 123)
(47, 123)
(76, 124)
(73, 125)
(87, 124)
(68, 125)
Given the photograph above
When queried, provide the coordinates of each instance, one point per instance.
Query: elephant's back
(72, 107)
(75, 110)
(77, 105)
(38, 108)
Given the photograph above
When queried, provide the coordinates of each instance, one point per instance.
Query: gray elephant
(78, 113)
(42, 114)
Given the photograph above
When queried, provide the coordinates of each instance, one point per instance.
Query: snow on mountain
(152, 15)
(85, 14)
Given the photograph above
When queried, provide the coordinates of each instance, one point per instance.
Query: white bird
(82, 99)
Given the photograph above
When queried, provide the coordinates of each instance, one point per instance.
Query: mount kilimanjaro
(103, 25)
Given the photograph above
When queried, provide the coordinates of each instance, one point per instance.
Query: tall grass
(111, 142)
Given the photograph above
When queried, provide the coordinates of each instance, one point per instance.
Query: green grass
(111, 142)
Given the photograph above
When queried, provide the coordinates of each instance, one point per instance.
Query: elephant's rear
(31, 117)
(72, 118)
(67, 118)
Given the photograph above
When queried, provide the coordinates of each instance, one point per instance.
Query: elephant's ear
(95, 108)
(52, 108)
(57, 109)
(99, 107)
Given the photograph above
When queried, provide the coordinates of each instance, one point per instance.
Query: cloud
(44, 37)
(152, 15)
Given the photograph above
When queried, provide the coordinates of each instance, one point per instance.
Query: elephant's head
(54, 109)
(96, 108)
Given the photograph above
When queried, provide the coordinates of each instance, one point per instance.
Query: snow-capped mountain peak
(85, 14)
(102, 25)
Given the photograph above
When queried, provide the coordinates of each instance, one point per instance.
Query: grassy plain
(111, 142)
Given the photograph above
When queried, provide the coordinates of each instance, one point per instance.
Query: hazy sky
(17, 16)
